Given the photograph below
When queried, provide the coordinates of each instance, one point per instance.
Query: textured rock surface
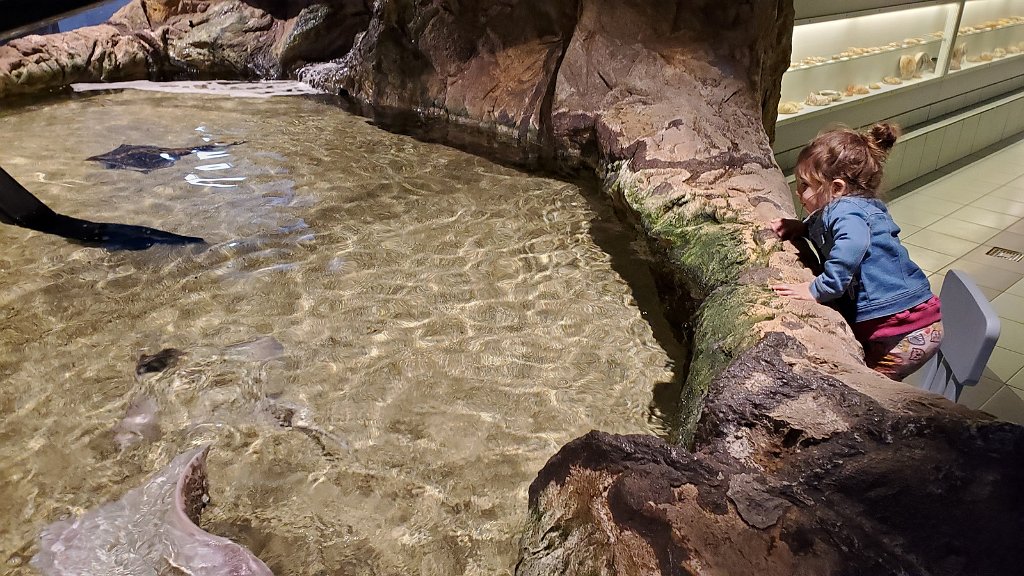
(795, 473)
(805, 461)
(99, 53)
(171, 39)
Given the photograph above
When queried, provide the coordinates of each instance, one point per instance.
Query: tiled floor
(950, 219)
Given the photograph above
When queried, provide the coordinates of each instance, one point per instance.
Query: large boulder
(795, 473)
(177, 39)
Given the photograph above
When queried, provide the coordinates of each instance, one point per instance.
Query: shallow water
(442, 324)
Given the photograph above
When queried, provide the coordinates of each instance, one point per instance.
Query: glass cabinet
(843, 57)
(989, 31)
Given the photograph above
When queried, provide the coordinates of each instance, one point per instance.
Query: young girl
(888, 300)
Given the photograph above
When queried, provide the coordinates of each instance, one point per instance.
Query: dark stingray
(20, 207)
(145, 158)
(158, 362)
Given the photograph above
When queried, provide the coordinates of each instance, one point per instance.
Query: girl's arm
(852, 237)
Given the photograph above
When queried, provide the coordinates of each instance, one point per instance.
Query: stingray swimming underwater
(146, 158)
(21, 208)
(152, 530)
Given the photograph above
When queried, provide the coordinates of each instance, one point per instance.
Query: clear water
(447, 324)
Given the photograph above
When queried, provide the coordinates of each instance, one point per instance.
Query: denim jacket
(863, 259)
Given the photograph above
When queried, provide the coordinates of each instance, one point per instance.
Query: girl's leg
(898, 358)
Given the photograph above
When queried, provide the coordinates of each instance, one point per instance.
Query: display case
(989, 31)
(841, 57)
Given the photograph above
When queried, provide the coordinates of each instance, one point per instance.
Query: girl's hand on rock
(788, 228)
(795, 291)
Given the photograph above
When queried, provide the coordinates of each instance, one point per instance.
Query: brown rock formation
(170, 39)
(98, 53)
(805, 461)
(796, 473)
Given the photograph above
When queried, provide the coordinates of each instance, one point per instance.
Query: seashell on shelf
(985, 57)
(815, 99)
(956, 59)
(855, 89)
(908, 67)
(1013, 50)
(924, 63)
(875, 86)
(999, 53)
(834, 95)
(892, 80)
(790, 107)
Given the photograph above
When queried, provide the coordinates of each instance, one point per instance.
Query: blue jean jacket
(864, 260)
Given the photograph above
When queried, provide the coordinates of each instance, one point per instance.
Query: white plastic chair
(971, 329)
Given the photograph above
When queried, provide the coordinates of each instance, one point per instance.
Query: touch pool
(441, 323)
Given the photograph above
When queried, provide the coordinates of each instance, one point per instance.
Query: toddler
(866, 274)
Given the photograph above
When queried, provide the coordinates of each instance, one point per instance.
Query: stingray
(20, 207)
(152, 530)
(146, 158)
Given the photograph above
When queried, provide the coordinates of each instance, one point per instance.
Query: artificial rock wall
(803, 461)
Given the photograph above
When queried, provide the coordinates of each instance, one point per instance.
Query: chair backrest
(971, 329)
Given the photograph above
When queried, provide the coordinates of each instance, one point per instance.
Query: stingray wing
(139, 158)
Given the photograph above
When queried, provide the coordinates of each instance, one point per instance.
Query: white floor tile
(1007, 239)
(976, 396)
(1017, 380)
(1017, 183)
(1017, 289)
(1009, 306)
(1004, 364)
(918, 218)
(1006, 404)
(1010, 192)
(1011, 336)
(957, 191)
(928, 260)
(963, 229)
(908, 229)
(985, 217)
(1000, 204)
(941, 243)
(912, 202)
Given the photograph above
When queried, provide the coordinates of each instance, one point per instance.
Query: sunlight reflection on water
(449, 321)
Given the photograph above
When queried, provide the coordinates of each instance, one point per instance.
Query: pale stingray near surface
(152, 530)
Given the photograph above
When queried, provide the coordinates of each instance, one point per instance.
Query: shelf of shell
(967, 65)
(989, 45)
(846, 99)
(972, 30)
(857, 77)
(887, 49)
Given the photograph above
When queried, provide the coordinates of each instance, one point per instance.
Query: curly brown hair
(854, 157)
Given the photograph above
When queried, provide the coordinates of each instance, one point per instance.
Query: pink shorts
(901, 356)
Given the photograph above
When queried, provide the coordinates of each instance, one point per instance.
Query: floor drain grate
(1006, 253)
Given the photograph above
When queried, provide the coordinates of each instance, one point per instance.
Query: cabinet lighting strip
(870, 12)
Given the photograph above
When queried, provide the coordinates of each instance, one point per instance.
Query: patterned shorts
(901, 356)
